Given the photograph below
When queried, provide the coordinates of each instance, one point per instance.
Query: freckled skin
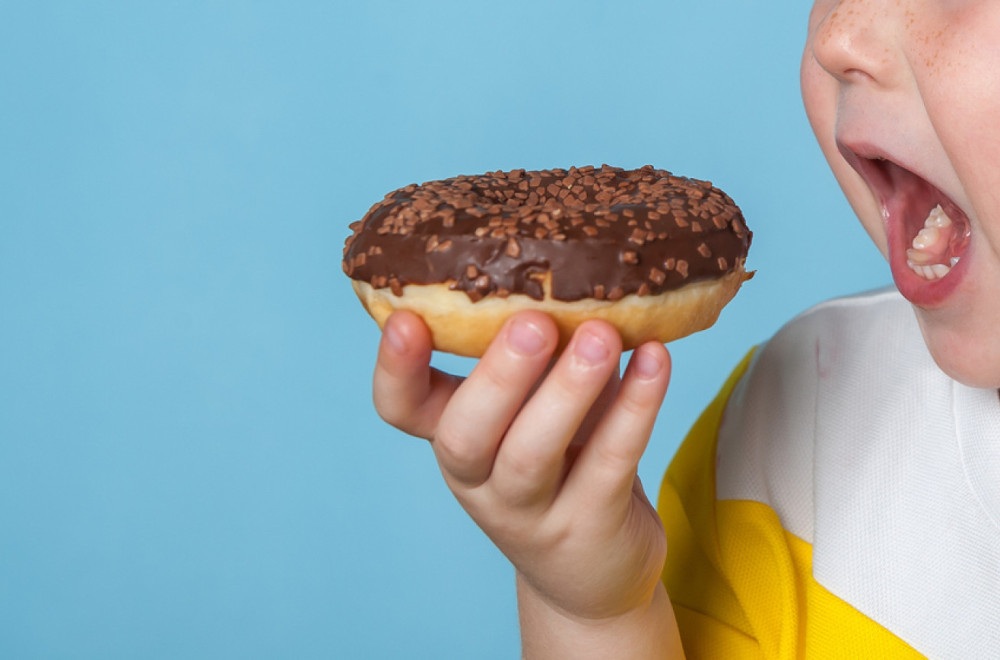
(919, 81)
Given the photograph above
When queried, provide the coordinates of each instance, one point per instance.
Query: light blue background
(190, 465)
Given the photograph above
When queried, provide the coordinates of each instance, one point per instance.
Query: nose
(853, 40)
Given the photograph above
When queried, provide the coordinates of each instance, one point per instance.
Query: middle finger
(480, 411)
(529, 463)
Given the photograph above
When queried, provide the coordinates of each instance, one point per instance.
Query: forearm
(649, 632)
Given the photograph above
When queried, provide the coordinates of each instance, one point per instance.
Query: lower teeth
(931, 272)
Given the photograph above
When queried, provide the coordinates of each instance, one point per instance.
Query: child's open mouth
(926, 230)
(934, 231)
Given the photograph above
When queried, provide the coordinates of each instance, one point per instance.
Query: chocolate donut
(656, 255)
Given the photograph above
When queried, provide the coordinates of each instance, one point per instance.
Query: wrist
(648, 630)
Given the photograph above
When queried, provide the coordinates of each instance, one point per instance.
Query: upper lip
(885, 172)
(869, 161)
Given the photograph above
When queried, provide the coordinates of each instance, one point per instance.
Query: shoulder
(818, 343)
(863, 322)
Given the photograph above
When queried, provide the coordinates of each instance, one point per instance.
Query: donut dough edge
(462, 327)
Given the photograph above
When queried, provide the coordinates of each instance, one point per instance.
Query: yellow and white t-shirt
(839, 499)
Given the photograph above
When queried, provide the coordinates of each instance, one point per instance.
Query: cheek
(970, 134)
(819, 95)
(972, 144)
(961, 93)
(863, 202)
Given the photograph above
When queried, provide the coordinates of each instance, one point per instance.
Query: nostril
(851, 44)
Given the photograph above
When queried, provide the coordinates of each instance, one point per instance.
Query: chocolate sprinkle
(601, 232)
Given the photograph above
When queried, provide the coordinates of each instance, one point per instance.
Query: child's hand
(546, 466)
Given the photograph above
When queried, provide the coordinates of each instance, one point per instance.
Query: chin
(965, 354)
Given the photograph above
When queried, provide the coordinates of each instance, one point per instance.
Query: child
(847, 502)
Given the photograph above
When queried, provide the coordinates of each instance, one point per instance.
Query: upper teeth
(926, 246)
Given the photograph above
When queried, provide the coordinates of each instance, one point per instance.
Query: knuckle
(527, 466)
(458, 451)
(556, 533)
(566, 389)
(616, 459)
(499, 376)
(520, 482)
(392, 415)
(633, 403)
(639, 400)
(580, 383)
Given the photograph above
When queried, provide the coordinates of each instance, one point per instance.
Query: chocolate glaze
(601, 232)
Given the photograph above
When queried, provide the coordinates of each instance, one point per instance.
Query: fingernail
(393, 339)
(646, 366)
(591, 349)
(525, 338)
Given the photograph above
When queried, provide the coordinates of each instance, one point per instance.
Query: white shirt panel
(765, 446)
